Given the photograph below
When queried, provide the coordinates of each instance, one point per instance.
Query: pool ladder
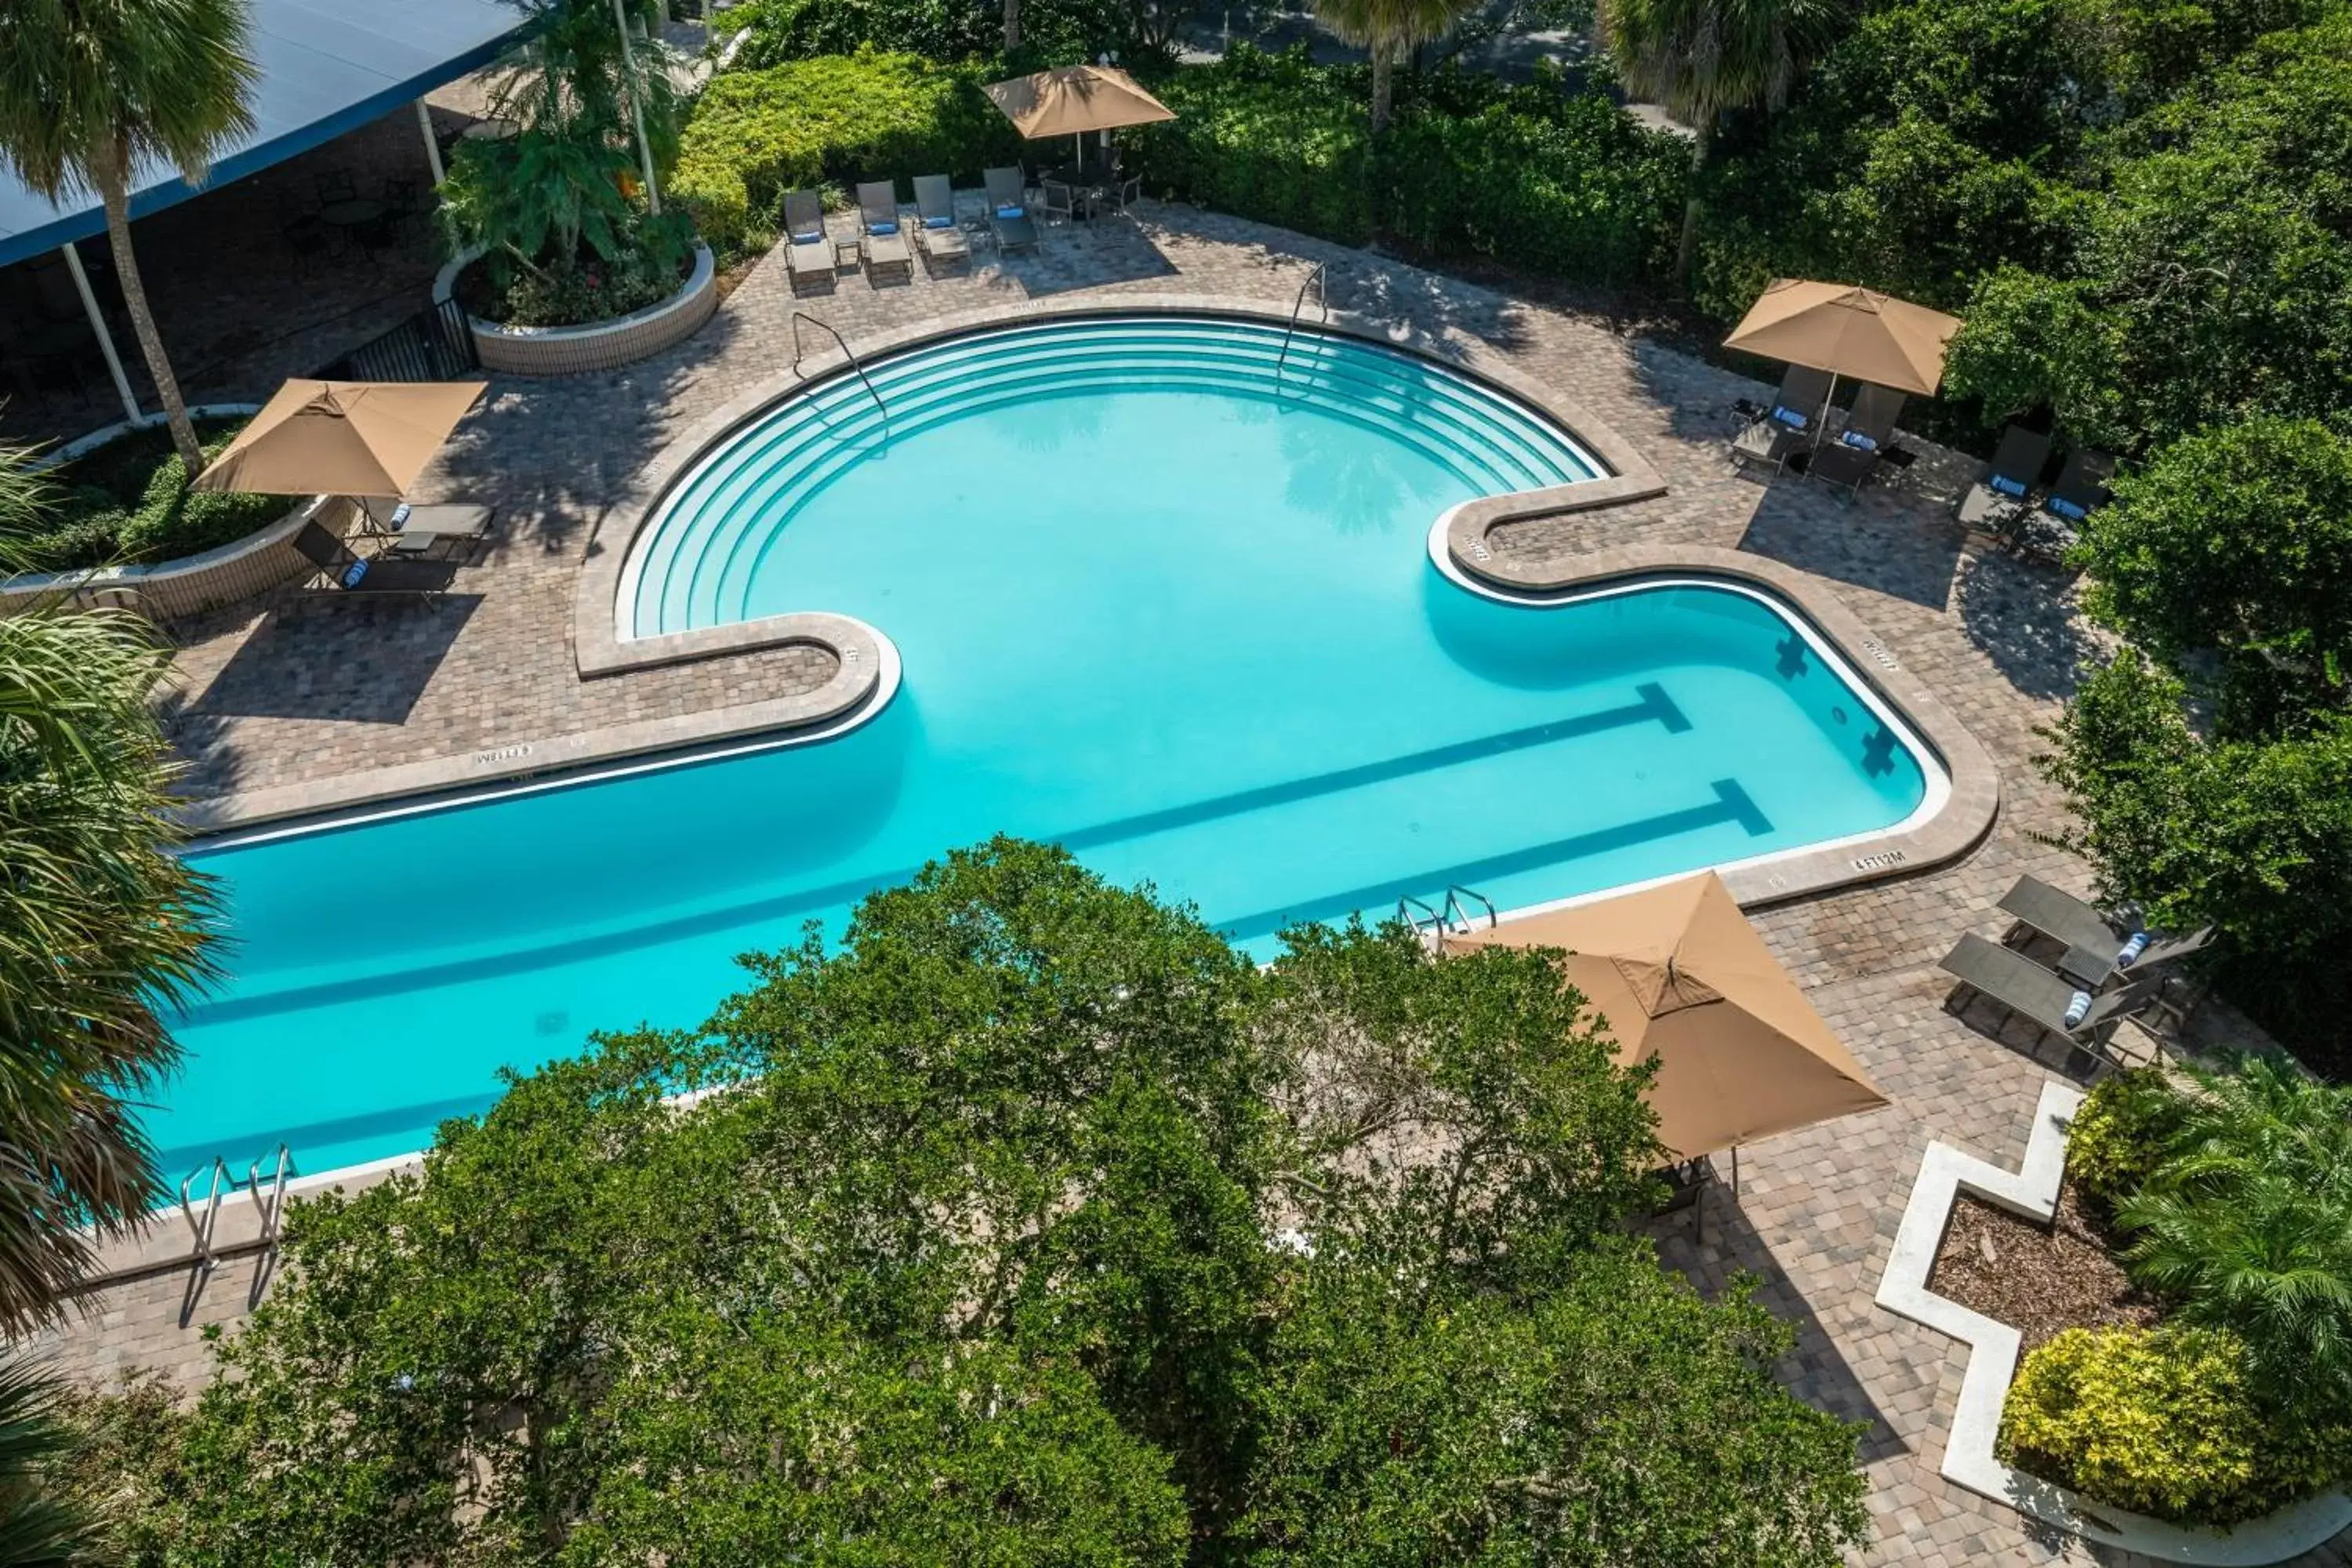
(1316, 280)
(848, 352)
(224, 1185)
(1454, 916)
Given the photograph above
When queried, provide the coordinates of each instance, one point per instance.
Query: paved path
(273, 695)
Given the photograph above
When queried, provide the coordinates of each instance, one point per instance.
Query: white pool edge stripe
(2031, 1190)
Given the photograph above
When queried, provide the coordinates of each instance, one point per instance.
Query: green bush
(2159, 1421)
(2121, 1132)
(1053, 32)
(754, 135)
(129, 500)
(1530, 176)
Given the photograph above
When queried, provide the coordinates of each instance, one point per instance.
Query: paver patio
(277, 693)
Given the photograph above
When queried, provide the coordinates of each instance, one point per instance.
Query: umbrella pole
(1820, 427)
(1734, 1173)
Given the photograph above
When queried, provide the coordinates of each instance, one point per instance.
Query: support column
(432, 144)
(98, 325)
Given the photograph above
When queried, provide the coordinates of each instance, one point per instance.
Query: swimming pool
(1152, 604)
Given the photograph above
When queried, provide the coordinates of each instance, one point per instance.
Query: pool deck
(282, 695)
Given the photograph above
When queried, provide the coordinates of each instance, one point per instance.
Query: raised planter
(2032, 1190)
(598, 345)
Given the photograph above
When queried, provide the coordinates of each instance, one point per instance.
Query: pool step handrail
(1427, 924)
(272, 1209)
(201, 1229)
(848, 352)
(1316, 280)
(1456, 900)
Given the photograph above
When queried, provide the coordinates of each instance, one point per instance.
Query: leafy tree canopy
(1032, 1223)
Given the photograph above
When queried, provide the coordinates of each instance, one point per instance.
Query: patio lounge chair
(412, 529)
(879, 233)
(2032, 993)
(348, 574)
(935, 229)
(1788, 422)
(1854, 456)
(808, 250)
(2082, 488)
(2016, 465)
(1008, 211)
(2036, 906)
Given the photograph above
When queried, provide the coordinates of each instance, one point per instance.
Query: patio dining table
(1090, 185)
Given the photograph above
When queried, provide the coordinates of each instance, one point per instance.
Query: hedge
(1053, 32)
(756, 134)
(1535, 176)
(129, 500)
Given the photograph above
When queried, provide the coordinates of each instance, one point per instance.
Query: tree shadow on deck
(1814, 1370)
(332, 657)
(2022, 616)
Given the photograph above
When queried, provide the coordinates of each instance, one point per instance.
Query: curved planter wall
(599, 345)
(166, 590)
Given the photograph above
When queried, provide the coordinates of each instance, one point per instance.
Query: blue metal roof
(326, 67)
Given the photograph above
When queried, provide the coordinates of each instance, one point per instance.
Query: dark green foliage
(129, 500)
(1530, 176)
(755, 135)
(1032, 1224)
(1053, 32)
(2252, 835)
(2237, 540)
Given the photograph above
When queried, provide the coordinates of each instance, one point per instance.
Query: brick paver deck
(275, 694)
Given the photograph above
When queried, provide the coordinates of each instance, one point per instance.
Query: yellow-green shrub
(2118, 1137)
(755, 134)
(2159, 1421)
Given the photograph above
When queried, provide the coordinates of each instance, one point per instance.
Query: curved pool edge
(865, 678)
(599, 649)
(1921, 842)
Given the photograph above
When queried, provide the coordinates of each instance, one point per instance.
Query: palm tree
(91, 88)
(2247, 1224)
(43, 1519)
(102, 930)
(1703, 59)
(1389, 30)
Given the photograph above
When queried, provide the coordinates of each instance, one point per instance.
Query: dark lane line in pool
(340, 1130)
(1732, 803)
(1652, 703)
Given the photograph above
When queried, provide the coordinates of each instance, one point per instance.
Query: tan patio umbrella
(343, 438)
(1848, 332)
(1677, 972)
(1074, 101)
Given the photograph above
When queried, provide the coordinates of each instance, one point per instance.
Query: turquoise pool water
(1169, 614)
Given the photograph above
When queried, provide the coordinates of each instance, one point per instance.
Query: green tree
(2238, 540)
(1388, 30)
(1006, 1231)
(47, 1520)
(103, 929)
(1704, 58)
(90, 90)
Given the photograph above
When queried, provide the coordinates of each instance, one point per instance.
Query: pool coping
(865, 678)
(598, 649)
(1968, 811)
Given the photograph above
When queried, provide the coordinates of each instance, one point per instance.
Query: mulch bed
(2038, 1278)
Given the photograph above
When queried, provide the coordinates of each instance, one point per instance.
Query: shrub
(1270, 137)
(1053, 32)
(755, 135)
(2120, 1135)
(129, 500)
(2159, 1421)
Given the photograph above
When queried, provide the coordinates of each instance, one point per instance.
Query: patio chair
(348, 574)
(1788, 422)
(2016, 465)
(2028, 991)
(413, 530)
(2081, 489)
(808, 249)
(935, 229)
(2035, 906)
(1855, 454)
(1008, 211)
(879, 237)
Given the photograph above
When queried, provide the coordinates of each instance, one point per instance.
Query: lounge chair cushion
(2006, 485)
(807, 235)
(1794, 418)
(354, 572)
(1009, 210)
(1858, 441)
(940, 221)
(881, 229)
(2073, 512)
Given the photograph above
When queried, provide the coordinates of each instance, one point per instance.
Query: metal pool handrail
(800, 316)
(1316, 280)
(202, 1229)
(1453, 906)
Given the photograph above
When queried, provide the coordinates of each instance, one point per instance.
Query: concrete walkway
(277, 693)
